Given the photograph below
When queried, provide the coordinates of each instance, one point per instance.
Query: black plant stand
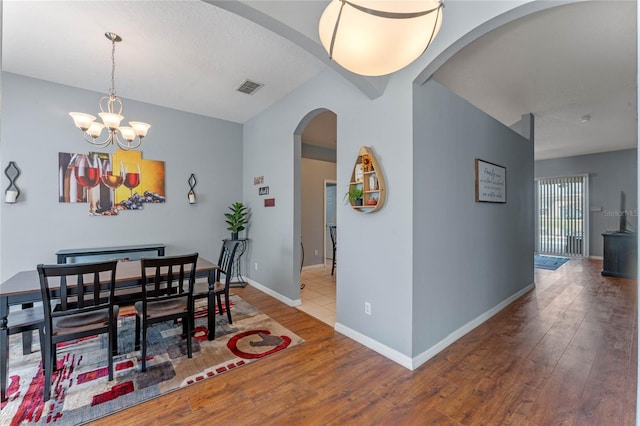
(236, 270)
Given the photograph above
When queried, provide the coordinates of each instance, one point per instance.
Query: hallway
(319, 294)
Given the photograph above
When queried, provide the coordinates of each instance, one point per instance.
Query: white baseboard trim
(441, 345)
(596, 257)
(392, 354)
(383, 350)
(417, 361)
(267, 290)
(318, 266)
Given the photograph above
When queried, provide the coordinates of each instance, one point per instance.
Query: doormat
(549, 262)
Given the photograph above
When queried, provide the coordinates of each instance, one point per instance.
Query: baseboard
(372, 344)
(413, 363)
(596, 257)
(267, 290)
(392, 354)
(441, 345)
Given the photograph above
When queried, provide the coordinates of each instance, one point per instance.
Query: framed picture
(263, 190)
(491, 182)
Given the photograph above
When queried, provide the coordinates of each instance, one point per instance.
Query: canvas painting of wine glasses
(110, 182)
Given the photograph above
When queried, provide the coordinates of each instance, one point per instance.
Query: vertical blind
(560, 222)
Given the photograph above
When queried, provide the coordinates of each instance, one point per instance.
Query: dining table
(23, 289)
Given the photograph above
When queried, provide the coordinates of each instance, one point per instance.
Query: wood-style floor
(563, 354)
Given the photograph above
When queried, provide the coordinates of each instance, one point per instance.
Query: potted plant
(237, 219)
(355, 195)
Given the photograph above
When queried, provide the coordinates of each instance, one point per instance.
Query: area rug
(81, 391)
(549, 262)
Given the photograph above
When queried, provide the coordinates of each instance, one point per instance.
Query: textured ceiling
(559, 64)
(190, 55)
(186, 55)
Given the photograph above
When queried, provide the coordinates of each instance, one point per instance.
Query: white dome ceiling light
(374, 37)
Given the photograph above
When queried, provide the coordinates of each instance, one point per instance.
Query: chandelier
(375, 37)
(126, 137)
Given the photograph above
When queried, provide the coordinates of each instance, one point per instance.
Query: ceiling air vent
(249, 87)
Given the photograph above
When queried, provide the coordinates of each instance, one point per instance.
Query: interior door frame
(324, 215)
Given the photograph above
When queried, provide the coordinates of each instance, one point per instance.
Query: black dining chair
(222, 280)
(334, 237)
(78, 302)
(24, 320)
(167, 295)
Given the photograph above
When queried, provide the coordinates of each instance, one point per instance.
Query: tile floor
(319, 294)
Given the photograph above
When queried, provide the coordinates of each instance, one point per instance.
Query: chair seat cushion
(82, 322)
(163, 308)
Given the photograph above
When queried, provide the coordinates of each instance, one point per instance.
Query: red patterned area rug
(81, 391)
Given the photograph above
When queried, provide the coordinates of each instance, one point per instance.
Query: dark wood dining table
(24, 289)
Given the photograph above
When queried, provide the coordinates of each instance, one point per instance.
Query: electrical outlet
(255, 266)
(315, 252)
(367, 308)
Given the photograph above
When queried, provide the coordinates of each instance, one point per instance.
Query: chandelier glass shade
(111, 109)
(375, 37)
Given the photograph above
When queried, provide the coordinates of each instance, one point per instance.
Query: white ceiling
(559, 64)
(191, 55)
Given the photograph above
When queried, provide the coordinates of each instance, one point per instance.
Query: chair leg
(54, 356)
(114, 341)
(333, 262)
(144, 345)
(189, 331)
(111, 350)
(228, 306)
(4, 362)
(137, 339)
(48, 368)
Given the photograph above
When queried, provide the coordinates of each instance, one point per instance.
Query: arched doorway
(315, 178)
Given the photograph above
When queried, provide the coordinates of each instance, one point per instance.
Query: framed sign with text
(491, 182)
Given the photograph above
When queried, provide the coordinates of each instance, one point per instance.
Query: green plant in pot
(355, 195)
(237, 219)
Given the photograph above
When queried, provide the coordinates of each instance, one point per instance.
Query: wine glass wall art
(110, 183)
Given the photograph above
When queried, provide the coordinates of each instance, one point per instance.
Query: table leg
(27, 336)
(211, 307)
(4, 347)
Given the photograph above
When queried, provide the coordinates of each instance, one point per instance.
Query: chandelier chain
(112, 92)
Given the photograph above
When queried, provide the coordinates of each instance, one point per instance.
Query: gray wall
(467, 256)
(314, 173)
(609, 173)
(36, 126)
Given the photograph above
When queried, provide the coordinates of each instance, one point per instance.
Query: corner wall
(468, 257)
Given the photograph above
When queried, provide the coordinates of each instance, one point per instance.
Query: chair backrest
(334, 236)
(226, 259)
(76, 288)
(168, 277)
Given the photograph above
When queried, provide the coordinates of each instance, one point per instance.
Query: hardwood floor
(563, 354)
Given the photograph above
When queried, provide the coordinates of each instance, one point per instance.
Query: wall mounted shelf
(367, 176)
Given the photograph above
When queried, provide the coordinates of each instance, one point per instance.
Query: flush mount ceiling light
(111, 108)
(374, 37)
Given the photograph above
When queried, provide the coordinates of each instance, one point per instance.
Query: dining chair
(167, 294)
(222, 280)
(78, 302)
(24, 320)
(334, 239)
